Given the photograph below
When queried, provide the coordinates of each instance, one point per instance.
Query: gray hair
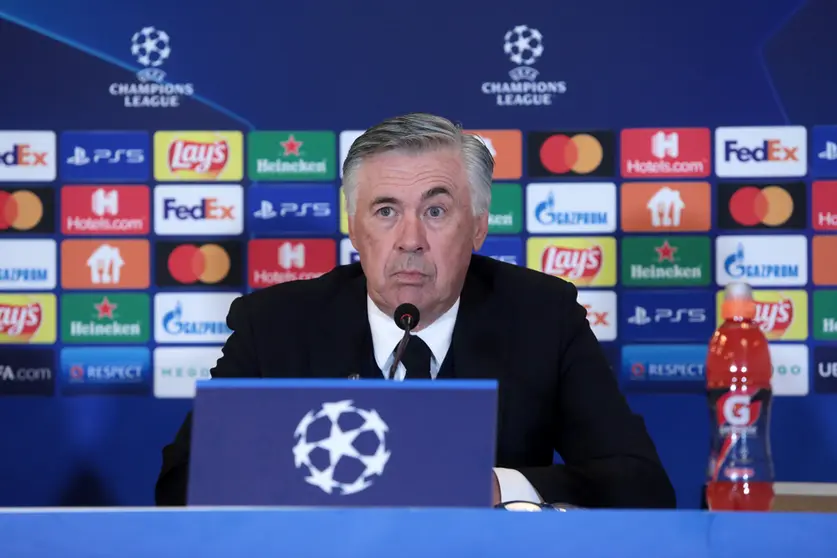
(419, 133)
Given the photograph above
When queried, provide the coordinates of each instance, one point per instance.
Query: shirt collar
(386, 335)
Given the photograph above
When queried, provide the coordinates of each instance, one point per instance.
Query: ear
(480, 230)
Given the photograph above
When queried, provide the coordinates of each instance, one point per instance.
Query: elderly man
(418, 192)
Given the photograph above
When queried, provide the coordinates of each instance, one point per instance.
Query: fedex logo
(27, 156)
(200, 209)
(23, 155)
(768, 150)
(761, 151)
(207, 208)
(601, 312)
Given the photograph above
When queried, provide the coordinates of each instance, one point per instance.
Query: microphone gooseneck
(407, 318)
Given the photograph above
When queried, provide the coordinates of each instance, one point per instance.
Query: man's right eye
(385, 212)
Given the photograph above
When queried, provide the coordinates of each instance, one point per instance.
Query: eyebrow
(431, 193)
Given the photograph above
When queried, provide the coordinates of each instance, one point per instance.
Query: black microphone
(407, 318)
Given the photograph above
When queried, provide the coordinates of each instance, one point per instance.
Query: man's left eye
(436, 211)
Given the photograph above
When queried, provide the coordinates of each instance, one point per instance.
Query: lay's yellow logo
(199, 156)
(585, 261)
(26, 319)
(782, 315)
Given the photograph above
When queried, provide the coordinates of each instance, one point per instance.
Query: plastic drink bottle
(738, 373)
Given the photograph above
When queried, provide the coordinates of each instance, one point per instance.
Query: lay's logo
(585, 261)
(781, 315)
(28, 319)
(200, 156)
(572, 263)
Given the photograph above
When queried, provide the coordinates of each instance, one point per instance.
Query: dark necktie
(416, 359)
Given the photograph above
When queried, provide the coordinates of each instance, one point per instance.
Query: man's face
(414, 229)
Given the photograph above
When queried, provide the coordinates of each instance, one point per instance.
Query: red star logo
(666, 252)
(105, 308)
(291, 145)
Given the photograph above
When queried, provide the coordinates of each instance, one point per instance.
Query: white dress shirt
(386, 336)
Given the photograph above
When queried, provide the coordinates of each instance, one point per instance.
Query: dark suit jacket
(520, 327)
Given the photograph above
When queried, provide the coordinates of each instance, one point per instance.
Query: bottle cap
(738, 291)
(738, 302)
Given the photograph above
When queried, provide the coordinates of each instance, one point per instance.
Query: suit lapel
(342, 346)
(478, 343)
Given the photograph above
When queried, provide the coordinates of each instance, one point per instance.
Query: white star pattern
(339, 445)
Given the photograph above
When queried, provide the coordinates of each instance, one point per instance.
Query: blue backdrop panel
(340, 66)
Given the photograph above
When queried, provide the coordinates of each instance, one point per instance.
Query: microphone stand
(402, 346)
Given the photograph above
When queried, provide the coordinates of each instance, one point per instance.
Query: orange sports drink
(738, 373)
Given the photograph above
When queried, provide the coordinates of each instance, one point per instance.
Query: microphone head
(406, 316)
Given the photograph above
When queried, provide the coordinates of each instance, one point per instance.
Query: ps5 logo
(307, 209)
(265, 211)
(642, 317)
(80, 156)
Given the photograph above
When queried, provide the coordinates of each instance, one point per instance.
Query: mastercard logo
(208, 264)
(580, 154)
(21, 210)
(771, 206)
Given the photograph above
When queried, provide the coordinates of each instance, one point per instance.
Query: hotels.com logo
(666, 153)
(273, 261)
(824, 205)
(105, 210)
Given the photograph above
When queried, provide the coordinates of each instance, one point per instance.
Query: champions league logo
(343, 448)
(523, 46)
(151, 47)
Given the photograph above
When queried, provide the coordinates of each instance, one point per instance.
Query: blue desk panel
(405, 533)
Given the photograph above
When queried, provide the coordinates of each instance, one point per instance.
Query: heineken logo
(674, 261)
(292, 155)
(105, 318)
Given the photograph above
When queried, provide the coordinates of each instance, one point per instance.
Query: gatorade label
(740, 445)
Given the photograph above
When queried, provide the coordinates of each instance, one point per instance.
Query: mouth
(409, 276)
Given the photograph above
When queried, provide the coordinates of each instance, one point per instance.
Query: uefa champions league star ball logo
(524, 45)
(342, 447)
(150, 46)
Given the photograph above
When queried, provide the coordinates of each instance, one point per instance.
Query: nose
(411, 237)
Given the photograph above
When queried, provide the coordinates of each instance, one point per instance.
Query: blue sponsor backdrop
(824, 151)
(507, 249)
(676, 315)
(105, 371)
(664, 368)
(104, 156)
(825, 369)
(338, 66)
(292, 209)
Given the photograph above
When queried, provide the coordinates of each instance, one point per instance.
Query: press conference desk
(406, 533)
